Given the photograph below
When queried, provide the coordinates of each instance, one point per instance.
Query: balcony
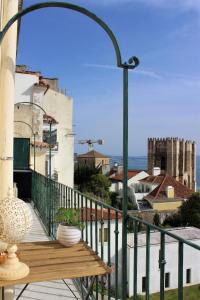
(157, 259)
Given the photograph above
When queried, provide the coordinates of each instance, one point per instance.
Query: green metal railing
(102, 233)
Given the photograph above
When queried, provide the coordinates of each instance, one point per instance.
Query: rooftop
(163, 181)
(120, 176)
(187, 233)
(92, 154)
(92, 214)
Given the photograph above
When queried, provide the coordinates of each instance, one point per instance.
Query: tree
(173, 220)
(156, 219)
(82, 175)
(99, 186)
(190, 211)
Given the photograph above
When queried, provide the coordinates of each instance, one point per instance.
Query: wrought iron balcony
(148, 250)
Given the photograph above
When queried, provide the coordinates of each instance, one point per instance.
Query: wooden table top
(52, 261)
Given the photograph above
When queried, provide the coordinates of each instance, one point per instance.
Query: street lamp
(34, 134)
(131, 64)
(50, 129)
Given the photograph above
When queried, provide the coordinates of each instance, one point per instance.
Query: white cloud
(147, 73)
(182, 4)
(181, 78)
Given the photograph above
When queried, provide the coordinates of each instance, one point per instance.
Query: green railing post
(180, 270)
(50, 135)
(162, 263)
(147, 261)
(125, 181)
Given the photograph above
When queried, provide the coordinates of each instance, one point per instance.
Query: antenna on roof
(91, 143)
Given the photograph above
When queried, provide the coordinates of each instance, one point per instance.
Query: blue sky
(164, 91)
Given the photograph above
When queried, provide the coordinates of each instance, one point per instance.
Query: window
(167, 280)
(105, 235)
(188, 275)
(143, 284)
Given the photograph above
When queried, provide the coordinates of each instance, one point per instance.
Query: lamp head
(133, 60)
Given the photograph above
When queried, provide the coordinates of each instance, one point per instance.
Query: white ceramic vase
(68, 235)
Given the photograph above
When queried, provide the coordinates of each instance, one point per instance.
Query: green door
(21, 153)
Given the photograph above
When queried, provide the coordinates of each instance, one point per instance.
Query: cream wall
(57, 105)
(166, 205)
(60, 107)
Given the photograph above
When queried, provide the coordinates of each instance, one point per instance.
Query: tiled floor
(51, 290)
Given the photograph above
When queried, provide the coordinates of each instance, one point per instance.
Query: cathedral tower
(175, 157)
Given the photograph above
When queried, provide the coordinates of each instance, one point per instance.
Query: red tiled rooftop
(180, 190)
(92, 154)
(120, 176)
(93, 214)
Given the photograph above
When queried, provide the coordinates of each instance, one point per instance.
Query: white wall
(118, 186)
(24, 86)
(59, 107)
(191, 261)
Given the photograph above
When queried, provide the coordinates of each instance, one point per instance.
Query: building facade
(32, 87)
(191, 275)
(175, 157)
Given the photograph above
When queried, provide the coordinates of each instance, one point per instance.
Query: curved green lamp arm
(68, 6)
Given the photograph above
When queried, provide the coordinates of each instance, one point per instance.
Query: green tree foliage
(190, 211)
(82, 175)
(99, 186)
(188, 215)
(156, 219)
(173, 220)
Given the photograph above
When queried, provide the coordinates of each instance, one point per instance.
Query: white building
(134, 177)
(32, 87)
(191, 274)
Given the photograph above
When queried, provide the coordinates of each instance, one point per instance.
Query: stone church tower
(175, 157)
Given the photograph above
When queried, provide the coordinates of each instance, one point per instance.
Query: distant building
(94, 158)
(134, 177)
(175, 157)
(165, 192)
(191, 274)
(32, 87)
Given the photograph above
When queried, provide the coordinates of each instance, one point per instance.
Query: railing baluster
(116, 255)
(91, 225)
(102, 249)
(78, 201)
(180, 270)
(71, 198)
(75, 200)
(96, 229)
(147, 261)
(109, 261)
(86, 214)
(135, 262)
(162, 266)
(66, 196)
(82, 217)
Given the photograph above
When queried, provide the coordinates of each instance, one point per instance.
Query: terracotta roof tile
(91, 215)
(180, 190)
(120, 176)
(92, 154)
